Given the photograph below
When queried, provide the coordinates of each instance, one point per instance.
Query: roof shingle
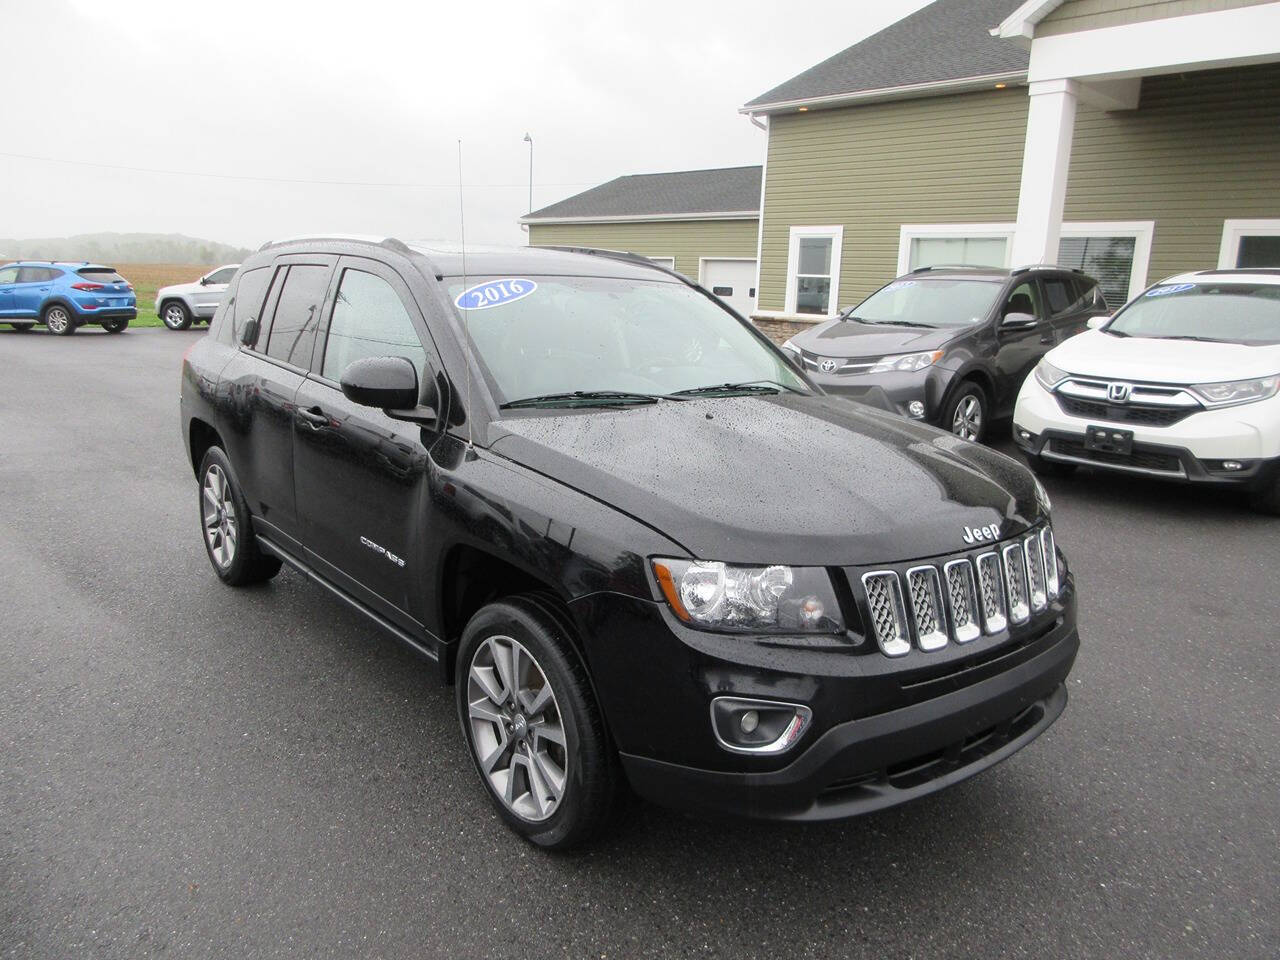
(722, 190)
(947, 40)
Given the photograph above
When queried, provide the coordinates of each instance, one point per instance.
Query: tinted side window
(36, 275)
(222, 276)
(244, 301)
(293, 329)
(369, 320)
(8, 274)
(1060, 293)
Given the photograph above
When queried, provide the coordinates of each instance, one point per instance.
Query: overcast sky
(378, 92)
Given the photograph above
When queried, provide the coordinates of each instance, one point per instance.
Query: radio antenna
(466, 325)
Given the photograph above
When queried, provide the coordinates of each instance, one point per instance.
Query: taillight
(87, 286)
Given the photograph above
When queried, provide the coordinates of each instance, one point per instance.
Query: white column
(1051, 121)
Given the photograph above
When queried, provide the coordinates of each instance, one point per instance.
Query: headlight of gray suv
(908, 362)
(1232, 392)
(773, 599)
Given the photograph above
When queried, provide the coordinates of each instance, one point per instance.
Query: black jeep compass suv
(640, 544)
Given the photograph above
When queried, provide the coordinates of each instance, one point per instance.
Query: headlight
(773, 599)
(906, 362)
(1049, 375)
(1237, 391)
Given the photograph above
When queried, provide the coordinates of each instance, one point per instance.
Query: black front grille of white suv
(958, 599)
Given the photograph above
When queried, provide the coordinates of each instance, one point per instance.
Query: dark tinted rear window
(293, 331)
(101, 275)
(245, 303)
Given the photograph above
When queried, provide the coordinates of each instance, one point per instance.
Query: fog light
(916, 409)
(1024, 435)
(744, 725)
(750, 720)
(1232, 465)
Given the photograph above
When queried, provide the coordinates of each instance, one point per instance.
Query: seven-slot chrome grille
(961, 599)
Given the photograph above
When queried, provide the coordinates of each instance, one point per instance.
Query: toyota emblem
(828, 366)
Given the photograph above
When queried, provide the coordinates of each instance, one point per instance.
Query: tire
(175, 315)
(226, 527)
(59, 320)
(1267, 499)
(1048, 468)
(115, 326)
(22, 327)
(504, 729)
(967, 412)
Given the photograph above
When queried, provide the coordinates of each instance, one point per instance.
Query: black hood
(847, 339)
(782, 479)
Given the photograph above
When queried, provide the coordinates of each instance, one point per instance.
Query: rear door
(32, 289)
(8, 278)
(261, 383)
(361, 477)
(1067, 304)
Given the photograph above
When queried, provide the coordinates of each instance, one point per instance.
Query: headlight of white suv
(1049, 375)
(1232, 392)
(908, 362)
(773, 599)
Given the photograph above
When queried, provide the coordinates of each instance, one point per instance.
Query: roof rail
(1045, 266)
(390, 243)
(1265, 271)
(624, 255)
(951, 266)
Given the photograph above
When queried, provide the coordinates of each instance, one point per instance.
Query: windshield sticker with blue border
(899, 284)
(1176, 288)
(494, 293)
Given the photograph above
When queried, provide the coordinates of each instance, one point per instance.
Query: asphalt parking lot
(193, 771)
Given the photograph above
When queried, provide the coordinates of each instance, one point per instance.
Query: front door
(361, 477)
(733, 281)
(209, 293)
(1020, 348)
(8, 277)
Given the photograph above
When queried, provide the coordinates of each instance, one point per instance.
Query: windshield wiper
(752, 386)
(1186, 336)
(894, 323)
(582, 398)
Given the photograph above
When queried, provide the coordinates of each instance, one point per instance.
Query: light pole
(529, 140)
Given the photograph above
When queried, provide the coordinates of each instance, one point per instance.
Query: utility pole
(529, 140)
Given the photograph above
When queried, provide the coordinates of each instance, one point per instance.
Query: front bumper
(1191, 450)
(900, 388)
(884, 730)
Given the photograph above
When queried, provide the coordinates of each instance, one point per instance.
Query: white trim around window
(1233, 230)
(950, 231)
(1142, 231)
(668, 262)
(836, 235)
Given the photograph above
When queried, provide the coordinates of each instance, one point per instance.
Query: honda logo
(1119, 392)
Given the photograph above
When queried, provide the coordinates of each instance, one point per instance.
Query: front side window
(929, 302)
(611, 334)
(8, 274)
(369, 320)
(293, 330)
(221, 276)
(1023, 299)
(1217, 312)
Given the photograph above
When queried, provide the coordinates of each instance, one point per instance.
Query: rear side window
(37, 274)
(293, 330)
(244, 303)
(100, 275)
(369, 320)
(1060, 293)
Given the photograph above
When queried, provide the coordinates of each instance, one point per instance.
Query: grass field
(147, 278)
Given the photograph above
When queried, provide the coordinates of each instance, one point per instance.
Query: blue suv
(64, 296)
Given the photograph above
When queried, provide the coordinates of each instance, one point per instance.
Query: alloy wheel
(173, 316)
(220, 530)
(57, 320)
(517, 733)
(967, 421)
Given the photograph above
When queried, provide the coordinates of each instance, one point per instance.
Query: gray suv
(948, 345)
(182, 304)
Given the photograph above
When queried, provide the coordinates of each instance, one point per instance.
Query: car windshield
(1223, 312)
(540, 336)
(929, 302)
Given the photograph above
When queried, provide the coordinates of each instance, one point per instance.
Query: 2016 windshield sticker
(899, 284)
(494, 293)
(1176, 288)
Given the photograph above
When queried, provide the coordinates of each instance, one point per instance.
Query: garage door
(733, 281)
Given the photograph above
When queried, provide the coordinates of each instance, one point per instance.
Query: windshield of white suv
(929, 302)
(1218, 312)
(591, 341)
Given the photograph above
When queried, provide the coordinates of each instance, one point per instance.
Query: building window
(668, 262)
(1249, 243)
(953, 244)
(1113, 253)
(813, 270)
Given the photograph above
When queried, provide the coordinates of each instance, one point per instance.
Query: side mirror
(249, 332)
(204, 281)
(391, 384)
(1017, 321)
(1096, 323)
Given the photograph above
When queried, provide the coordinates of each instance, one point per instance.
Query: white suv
(1181, 383)
(181, 304)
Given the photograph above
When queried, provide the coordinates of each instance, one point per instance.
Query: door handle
(314, 417)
